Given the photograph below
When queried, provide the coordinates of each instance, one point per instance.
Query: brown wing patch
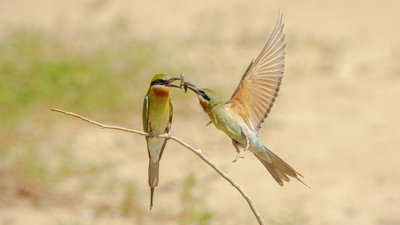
(242, 99)
(259, 87)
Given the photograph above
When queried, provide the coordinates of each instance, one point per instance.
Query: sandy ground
(336, 119)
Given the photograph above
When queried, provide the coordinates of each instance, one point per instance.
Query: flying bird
(241, 117)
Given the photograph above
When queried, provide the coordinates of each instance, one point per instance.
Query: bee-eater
(157, 119)
(240, 117)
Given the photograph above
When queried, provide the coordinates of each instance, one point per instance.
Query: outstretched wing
(259, 87)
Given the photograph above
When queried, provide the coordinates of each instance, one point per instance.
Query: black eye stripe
(203, 95)
(158, 81)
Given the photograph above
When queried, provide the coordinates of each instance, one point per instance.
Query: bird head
(207, 97)
(162, 83)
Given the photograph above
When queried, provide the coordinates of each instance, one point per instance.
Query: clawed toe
(151, 134)
(238, 157)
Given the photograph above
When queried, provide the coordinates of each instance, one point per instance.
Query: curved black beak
(170, 80)
(192, 87)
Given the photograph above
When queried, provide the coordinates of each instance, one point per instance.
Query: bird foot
(169, 136)
(151, 134)
(238, 157)
(237, 151)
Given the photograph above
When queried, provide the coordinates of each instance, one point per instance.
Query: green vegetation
(39, 71)
(194, 209)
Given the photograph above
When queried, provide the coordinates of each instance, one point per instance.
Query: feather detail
(256, 93)
(279, 169)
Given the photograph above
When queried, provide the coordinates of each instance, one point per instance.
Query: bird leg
(247, 141)
(237, 151)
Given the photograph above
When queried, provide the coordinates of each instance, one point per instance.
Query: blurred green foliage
(194, 209)
(130, 204)
(43, 70)
(38, 71)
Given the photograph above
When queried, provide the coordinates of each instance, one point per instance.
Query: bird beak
(192, 87)
(170, 80)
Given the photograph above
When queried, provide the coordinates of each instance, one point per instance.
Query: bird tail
(153, 178)
(279, 169)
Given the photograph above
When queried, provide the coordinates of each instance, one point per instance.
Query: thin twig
(196, 151)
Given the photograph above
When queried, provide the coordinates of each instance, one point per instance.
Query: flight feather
(259, 87)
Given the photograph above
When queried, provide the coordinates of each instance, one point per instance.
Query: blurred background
(336, 119)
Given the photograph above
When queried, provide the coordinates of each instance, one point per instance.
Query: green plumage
(241, 117)
(231, 123)
(157, 119)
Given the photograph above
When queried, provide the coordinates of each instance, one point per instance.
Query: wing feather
(260, 84)
(145, 114)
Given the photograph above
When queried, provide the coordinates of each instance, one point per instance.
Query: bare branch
(196, 151)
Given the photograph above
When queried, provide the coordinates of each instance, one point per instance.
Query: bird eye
(158, 81)
(203, 94)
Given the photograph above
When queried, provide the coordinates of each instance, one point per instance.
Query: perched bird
(157, 119)
(240, 117)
